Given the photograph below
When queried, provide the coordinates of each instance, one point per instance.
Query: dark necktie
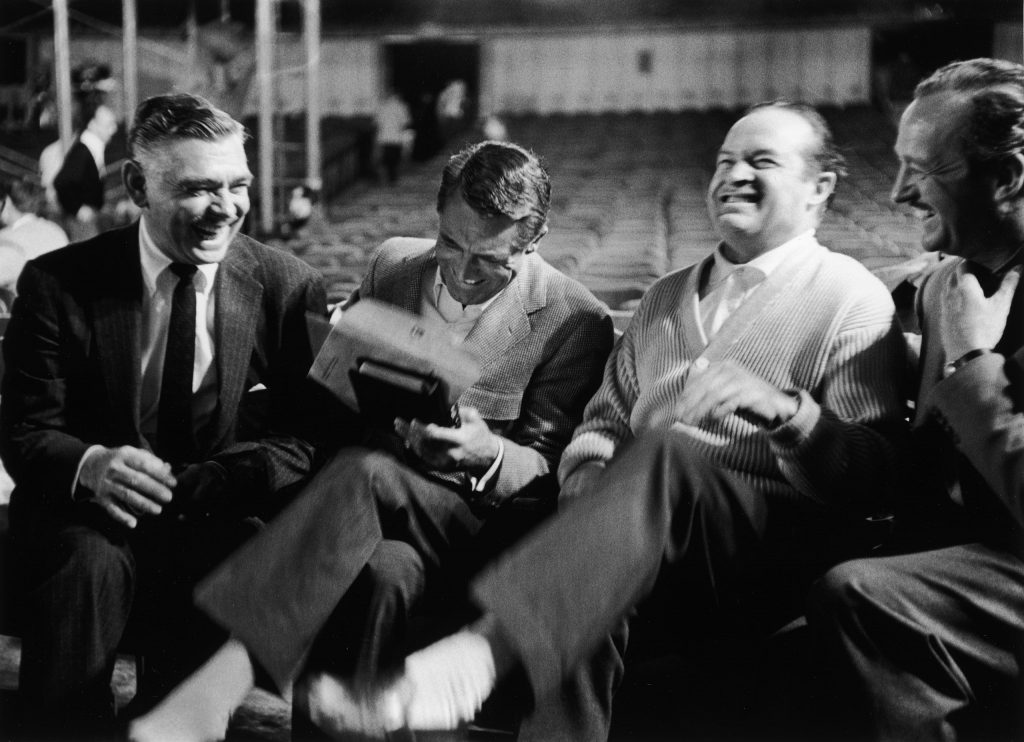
(174, 433)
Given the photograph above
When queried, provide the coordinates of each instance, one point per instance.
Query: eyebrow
(206, 183)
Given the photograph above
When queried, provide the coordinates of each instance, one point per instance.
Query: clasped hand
(129, 483)
(968, 319)
(725, 388)
(470, 447)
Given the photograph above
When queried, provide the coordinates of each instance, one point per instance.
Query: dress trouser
(330, 582)
(84, 577)
(280, 590)
(661, 518)
(925, 645)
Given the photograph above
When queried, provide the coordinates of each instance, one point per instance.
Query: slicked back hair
(995, 89)
(178, 116)
(500, 179)
(825, 156)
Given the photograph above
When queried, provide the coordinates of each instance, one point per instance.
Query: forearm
(977, 407)
(521, 467)
(835, 461)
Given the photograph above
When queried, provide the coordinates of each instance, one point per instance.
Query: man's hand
(201, 488)
(725, 388)
(471, 447)
(127, 483)
(970, 321)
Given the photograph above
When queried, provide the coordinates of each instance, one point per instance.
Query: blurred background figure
(492, 128)
(451, 109)
(24, 234)
(79, 185)
(393, 133)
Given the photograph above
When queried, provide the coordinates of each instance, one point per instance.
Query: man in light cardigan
(744, 426)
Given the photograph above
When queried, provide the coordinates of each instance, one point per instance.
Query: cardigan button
(701, 364)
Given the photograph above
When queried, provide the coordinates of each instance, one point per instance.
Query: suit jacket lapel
(405, 286)
(238, 297)
(117, 316)
(507, 321)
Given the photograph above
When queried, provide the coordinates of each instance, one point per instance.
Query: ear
(824, 185)
(135, 183)
(533, 245)
(1009, 185)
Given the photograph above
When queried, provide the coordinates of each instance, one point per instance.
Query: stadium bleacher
(628, 200)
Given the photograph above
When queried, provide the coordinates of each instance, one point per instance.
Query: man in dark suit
(377, 528)
(131, 419)
(79, 182)
(929, 645)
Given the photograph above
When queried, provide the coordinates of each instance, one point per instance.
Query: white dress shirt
(158, 285)
(728, 284)
(459, 319)
(157, 289)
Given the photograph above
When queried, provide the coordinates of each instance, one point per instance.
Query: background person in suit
(79, 183)
(126, 424)
(392, 524)
(743, 429)
(929, 645)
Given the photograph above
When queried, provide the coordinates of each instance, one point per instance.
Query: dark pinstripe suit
(73, 378)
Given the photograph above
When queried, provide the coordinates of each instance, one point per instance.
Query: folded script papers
(383, 334)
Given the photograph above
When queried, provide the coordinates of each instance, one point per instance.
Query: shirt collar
(95, 146)
(441, 290)
(154, 262)
(22, 220)
(764, 264)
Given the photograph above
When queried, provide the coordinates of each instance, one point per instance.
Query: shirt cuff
(480, 484)
(81, 462)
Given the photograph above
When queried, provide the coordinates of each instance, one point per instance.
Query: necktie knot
(184, 271)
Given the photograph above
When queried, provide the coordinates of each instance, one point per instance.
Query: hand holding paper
(471, 447)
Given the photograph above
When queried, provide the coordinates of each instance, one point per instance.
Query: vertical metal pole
(265, 101)
(130, 52)
(311, 32)
(62, 71)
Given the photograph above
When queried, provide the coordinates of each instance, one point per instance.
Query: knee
(396, 572)
(81, 561)
(848, 587)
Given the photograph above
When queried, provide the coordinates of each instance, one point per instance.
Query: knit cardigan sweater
(820, 325)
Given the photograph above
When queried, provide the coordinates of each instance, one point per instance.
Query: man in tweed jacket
(377, 528)
(742, 429)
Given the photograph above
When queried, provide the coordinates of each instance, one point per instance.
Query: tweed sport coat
(542, 345)
(73, 368)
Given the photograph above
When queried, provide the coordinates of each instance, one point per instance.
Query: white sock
(447, 682)
(199, 709)
(334, 707)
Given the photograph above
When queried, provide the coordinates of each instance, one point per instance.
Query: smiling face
(935, 177)
(476, 254)
(765, 191)
(194, 195)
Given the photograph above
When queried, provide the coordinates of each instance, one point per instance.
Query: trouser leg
(917, 645)
(365, 635)
(277, 592)
(79, 587)
(559, 593)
